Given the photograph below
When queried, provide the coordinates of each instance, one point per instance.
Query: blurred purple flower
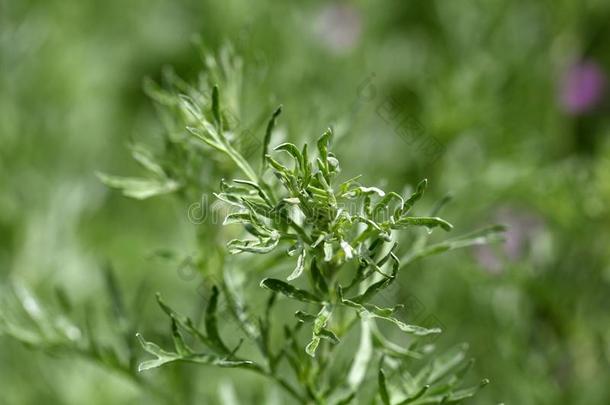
(339, 27)
(582, 87)
(523, 226)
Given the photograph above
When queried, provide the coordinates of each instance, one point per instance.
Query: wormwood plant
(346, 245)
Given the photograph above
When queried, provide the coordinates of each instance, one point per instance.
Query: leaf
(230, 289)
(328, 251)
(139, 188)
(211, 323)
(288, 290)
(323, 143)
(319, 330)
(165, 357)
(461, 395)
(190, 108)
(347, 250)
(383, 389)
(182, 321)
(116, 298)
(304, 316)
(298, 270)
(252, 246)
(293, 151)
(318, 279)
(162, 357)
(429, 222)
(417, 395)
(262, 194)
(416, 196)
(479, 237)
(359, 366)
(146, 159)
(444, 365)
(216, 106)
(347, 399)
(269, 131)
(368, 191)
(181, 348)
(372, 311)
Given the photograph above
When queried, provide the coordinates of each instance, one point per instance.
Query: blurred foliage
(482, 79)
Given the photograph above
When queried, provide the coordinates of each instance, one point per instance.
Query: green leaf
(323, 143)
(415, 397)
(211, 323)
(305, 316)
(183, 321)
(319, 330)
(165, 357)
(416, 196)
(328, 251)
(317, 278)
(293, 151)
(269, 131)
(347, 399)
(429, 222)
(237, 307)
(162, 356)
(216, 106)
(262, 194)
(146, 159)
(372, 311)
(298, 270)
(461, 395)
(181, 348)
(288, 290)
(383, 389)
(252, 246)
(362, 358)
(139, 188)
(479, 237)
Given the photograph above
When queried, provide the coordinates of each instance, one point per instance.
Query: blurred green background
(511, 94)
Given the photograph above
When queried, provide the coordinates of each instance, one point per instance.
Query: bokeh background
(512, 96)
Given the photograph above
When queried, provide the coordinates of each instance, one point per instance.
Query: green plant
(351, 243)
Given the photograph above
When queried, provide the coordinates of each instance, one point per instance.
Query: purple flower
(583, 87)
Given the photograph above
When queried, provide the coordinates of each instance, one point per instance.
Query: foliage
(344, 237)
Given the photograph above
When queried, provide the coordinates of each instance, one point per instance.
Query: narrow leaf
(288, 290)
